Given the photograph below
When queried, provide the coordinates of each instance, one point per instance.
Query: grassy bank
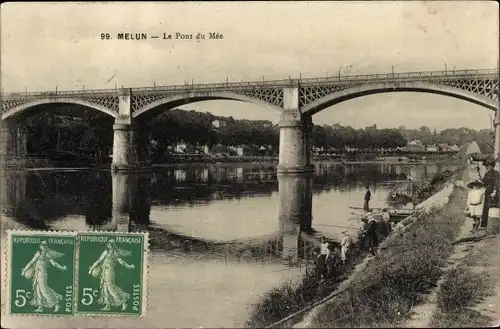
(384, 294)
(462, 289)
(466, 286)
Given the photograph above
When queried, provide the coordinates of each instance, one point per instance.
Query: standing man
(491, 180)
(323, 257)
(368, 196)
(371, 235)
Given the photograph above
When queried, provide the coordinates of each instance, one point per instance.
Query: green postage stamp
(41, 272)
(77, 273)
(112, 273)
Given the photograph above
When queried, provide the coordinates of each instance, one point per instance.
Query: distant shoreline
(44, 162)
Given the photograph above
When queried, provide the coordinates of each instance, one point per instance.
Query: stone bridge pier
(130, 137)
(295, 143)
(295, 211)
(295, 171)
(131, 203)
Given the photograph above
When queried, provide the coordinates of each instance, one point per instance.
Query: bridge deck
(339, 79)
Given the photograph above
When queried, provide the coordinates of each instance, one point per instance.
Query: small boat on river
(396, 214)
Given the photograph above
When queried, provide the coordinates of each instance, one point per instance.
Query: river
(206, 204)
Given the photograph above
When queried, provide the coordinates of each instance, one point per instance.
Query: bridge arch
(172, 102)
(21, 108)
(371, 89)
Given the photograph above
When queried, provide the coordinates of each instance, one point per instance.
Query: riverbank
(34, 162)
(329, 159)
(401, 275)
(290, 298)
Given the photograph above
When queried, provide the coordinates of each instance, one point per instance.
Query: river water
(207, 204)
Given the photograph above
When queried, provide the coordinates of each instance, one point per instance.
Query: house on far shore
(417, 142)
(431, 148)
(415, 146)
(219, 123)
(445, 147)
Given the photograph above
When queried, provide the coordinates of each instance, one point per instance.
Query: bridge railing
(404, 76)
(271, 83)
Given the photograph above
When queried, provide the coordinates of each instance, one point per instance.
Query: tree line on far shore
(92, 132)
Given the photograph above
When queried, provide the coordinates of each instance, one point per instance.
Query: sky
(44, 45)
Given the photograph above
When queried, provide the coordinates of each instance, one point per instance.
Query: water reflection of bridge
(123, 201)
(37, 201)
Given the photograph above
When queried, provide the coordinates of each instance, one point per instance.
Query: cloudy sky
(46, 45)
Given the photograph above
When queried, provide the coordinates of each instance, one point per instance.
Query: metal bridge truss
(482, 82)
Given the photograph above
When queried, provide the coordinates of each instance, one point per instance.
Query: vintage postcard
(258, 164)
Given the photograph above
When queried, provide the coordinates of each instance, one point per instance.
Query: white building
(219, 123)
(181, 147)
(431, 148)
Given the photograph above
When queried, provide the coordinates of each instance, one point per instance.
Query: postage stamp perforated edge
(7, 273)
(145, 274)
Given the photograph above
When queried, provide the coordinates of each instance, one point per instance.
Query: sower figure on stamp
(36, 270)
(491, 180)
(104, 268)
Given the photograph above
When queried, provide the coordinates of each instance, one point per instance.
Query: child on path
(475, 202)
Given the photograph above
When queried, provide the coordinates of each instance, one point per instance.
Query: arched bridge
(296, 99)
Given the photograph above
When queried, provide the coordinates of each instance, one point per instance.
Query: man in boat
(491, 181)
(475, 202)
(368, 196)
(345, 245)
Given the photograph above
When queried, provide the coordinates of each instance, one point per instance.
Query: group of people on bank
(369, 235)
(484, 194)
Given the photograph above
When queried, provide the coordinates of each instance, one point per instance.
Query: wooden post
(493, 225)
